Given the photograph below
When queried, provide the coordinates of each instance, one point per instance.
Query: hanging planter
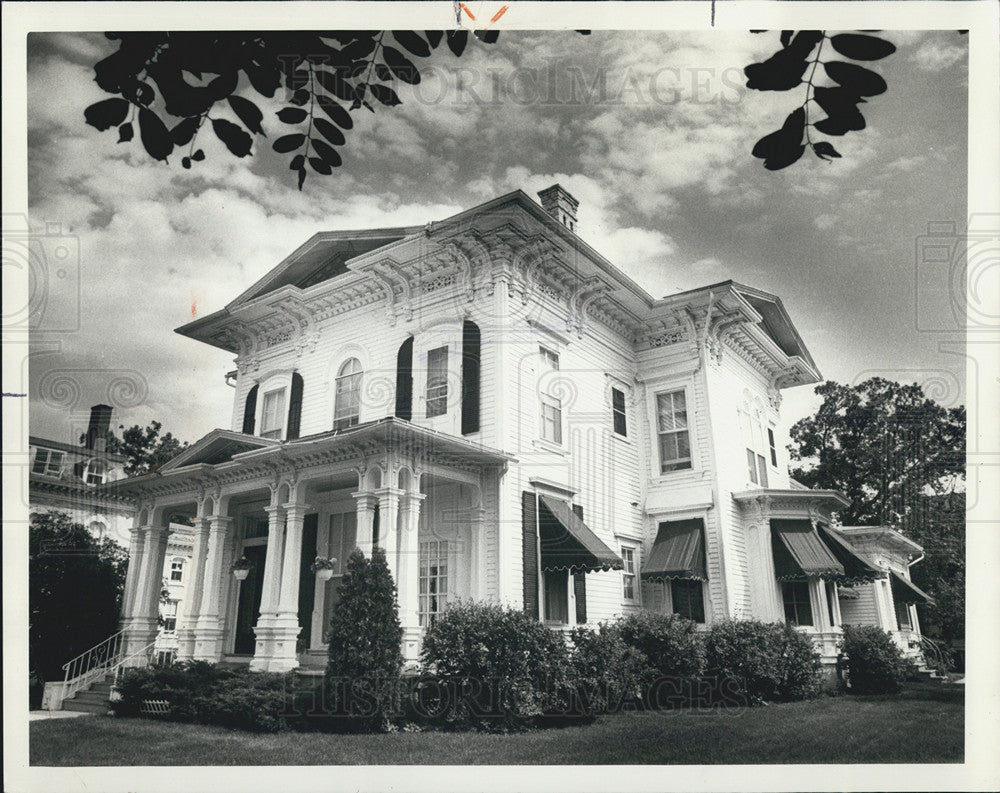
(241, 568)
(323, 568)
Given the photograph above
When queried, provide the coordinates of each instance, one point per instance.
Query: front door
(251, 590)
(307, 580)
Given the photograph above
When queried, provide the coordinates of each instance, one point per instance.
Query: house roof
(218, 446)
(82, 451)
(882, 536)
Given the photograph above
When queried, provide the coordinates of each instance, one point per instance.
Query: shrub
(496, 666)
(202, 693)
(750, 662)
(671, 645)
(605, 671)
(875, 664)
(365, 659)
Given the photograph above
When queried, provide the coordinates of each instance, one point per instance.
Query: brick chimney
(560, 204)
(97, 431)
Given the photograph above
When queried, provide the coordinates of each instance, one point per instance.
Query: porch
(427, 499)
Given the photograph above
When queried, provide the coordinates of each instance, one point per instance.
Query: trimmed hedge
(875, 664)
(607, 673)
(203, 693)
(750, 662)
(671, 644)
(493, 666)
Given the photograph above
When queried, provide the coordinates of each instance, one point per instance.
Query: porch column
(366, 521)
(135, 550)
(408, 580)
(208, 634)
(477, 553)
(272, 560)
(388, 531)
(142, 627)
(192, 608)
(283, 650)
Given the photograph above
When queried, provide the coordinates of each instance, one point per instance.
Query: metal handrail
(147, 651)
(92, 665)
(934, 656)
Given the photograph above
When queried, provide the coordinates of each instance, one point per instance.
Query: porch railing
(93, 665)
(935, 656)
(129, 662)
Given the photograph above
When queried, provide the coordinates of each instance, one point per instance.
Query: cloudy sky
(659, 159)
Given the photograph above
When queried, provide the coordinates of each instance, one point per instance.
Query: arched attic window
(347, 396)
(470, 377)
(295, 407)
(404, 380)
(250, 410)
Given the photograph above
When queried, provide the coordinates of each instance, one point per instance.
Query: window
(343, 539)
(170, 616)
(753, 439)
(688, 599)
(433, 580)
(176, 569)
(347, 399)
(672, 423)
(774, 448)
(618, 411)
(273, 414)
(628, 573)
(437, 382)
(798, 609)
(556, 596)
(47, 462)
(551, 419)
(903, 616)
(95, 473)
(550, 359)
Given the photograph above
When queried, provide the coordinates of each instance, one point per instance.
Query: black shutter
(580, 582)
(376, 519)
(404, 380)
(295, 407)
(470, 377)
(250, 410)
(529, 530)
(580, 592)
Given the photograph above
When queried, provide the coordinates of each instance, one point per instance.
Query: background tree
(144, 448)
(169, 84)
(75, 587)
(883, 444)
(365, 658)
(900, 458)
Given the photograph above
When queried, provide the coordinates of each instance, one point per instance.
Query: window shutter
(404, 380)
(295, 407)
(580, 582)
(529, 527)
(250, 410)
(470, 377)
(376, 519)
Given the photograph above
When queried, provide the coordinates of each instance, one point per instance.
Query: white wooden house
(514, 420)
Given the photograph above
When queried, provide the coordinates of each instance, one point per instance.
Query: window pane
(41, 458)
(272, 419)
(762, 469)
(618, 411)
(752, 466)
(433, 580)
(688, 599)
(437, 382)
(665, 412)
(774, 448)
(556, 596)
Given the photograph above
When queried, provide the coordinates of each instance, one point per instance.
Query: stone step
(81, 706)
(96, 697)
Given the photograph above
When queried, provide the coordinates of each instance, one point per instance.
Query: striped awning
(905, 591)
(678, 552)
(799, 553)
(856, 569)
(567, 543)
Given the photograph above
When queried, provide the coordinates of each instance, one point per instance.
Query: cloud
(935, 55)
(825, 221)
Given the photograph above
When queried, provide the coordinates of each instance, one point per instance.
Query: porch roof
(856, 569)
(261, 454)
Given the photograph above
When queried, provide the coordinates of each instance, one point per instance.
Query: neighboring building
(514, 420)
(65, 478)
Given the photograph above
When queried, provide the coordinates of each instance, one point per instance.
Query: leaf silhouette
(106, 114)
(457, 39)
(858, 79)
(320, 166)
(326, 151)
(334, 85)
(860, 47)
(248, 113)
(824, 150)
(434, 37)
(182, 133)
(237, 140)
(328, 131)
(412, 43)
(125, 133)
(385, 95)
(155, 135)
(400, 65)
(335, 111)
(784, 147)
(288, 143)
(292, 115)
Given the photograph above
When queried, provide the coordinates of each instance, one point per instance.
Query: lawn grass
(924, 724)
